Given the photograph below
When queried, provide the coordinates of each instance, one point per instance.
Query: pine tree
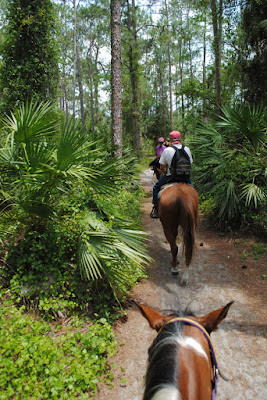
(116, 84)
(29, 68)
(254, 62)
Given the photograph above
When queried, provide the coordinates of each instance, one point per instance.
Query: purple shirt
(160, 150)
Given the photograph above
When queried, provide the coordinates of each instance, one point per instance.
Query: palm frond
(110, 254)
(88, 260)
(78, 158)
(130, 253)
(253, 194)
(227, 199)
(133, 238)
(38, 155)
(208, 136)
(6, 157)
(73, 145)
(206, 143)
(9, 154)
(114, 244)
(245, 122)
(31, 121)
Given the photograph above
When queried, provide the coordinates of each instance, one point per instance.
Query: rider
(165, 163)
(167, 142)
(159, 150)
(160, 147)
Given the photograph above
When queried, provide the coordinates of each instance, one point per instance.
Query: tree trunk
(204, 71)
(116, 84)
(191, 75)
(91, 87)
(138, 132)
(133, 67)
(216, 13)
(162, 101)
(65, 104)
(96, 80)
(170, 67)
(75, 55)
(64, 90)
(181, 81)
(79, 73)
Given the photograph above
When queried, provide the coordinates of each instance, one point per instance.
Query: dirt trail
(217, 276)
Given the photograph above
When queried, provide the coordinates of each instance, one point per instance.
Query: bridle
(214, 362)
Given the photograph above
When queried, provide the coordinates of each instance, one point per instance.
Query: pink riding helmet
(175, 135)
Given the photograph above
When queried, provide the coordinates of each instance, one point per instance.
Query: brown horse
(182, 363)
(178, 206)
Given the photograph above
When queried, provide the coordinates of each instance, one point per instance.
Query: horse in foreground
(178, 206)
(182, 363)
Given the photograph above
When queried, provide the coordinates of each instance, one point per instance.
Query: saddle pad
(171, 184)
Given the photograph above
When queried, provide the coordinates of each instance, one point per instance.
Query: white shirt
(168, 153)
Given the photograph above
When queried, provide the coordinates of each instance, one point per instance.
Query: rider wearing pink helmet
(175, 135)
(165, 163)
(160, 147)
(155, 166)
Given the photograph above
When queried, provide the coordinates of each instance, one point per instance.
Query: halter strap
(214, 361)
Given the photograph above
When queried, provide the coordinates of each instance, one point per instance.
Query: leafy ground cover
(70, 249)
(41, 357)
(38, 360)
(42, 287)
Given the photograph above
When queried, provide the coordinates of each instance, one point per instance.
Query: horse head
(182, 358)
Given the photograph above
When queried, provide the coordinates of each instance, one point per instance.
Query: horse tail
(189, 236)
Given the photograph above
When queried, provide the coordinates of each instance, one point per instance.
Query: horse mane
(163, 365)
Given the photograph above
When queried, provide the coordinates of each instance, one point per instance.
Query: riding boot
(154, 213)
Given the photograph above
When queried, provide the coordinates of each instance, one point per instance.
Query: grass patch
(254, 250)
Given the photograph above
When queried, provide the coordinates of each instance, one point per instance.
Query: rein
(213, 357)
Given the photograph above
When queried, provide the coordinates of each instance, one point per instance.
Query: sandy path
(216, 277)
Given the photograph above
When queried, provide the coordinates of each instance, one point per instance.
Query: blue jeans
(156, 188)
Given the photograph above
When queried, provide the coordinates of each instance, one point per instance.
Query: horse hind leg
(185, 277)
(174, 251)
(175, 262)
(175, 255)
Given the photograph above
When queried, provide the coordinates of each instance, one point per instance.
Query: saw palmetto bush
(230, 166)
(54, 185)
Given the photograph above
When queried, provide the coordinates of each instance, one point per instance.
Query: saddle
(172, 184)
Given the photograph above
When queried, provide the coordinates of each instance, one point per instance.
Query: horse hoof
(185, 278)
(174, 271)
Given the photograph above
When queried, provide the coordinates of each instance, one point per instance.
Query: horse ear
(211, 320)
(155, 319)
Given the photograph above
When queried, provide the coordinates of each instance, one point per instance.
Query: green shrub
(39, 362)
(69, 197)
(230, 166)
